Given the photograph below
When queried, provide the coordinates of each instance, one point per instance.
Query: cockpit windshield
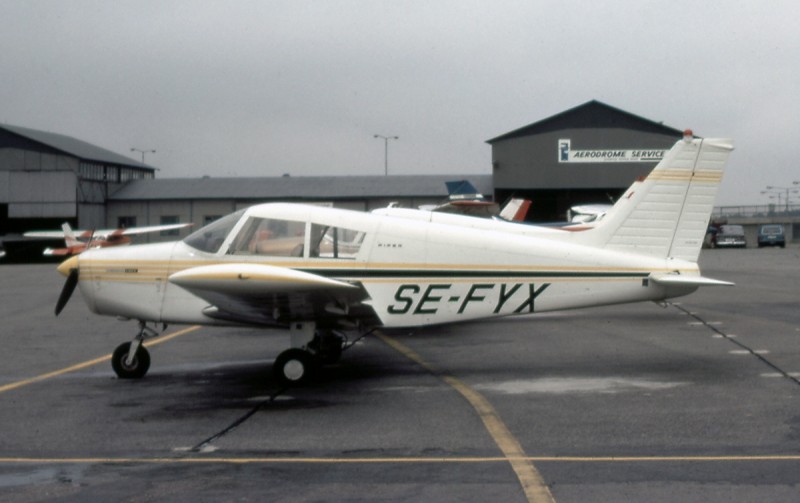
(210, 238)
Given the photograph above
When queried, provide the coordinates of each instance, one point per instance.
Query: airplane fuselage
(414, 272)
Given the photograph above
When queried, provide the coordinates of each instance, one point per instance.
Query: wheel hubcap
(294, 370)
(132, 366)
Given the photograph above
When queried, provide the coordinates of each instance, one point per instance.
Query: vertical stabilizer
(667, 214)
(69, 236)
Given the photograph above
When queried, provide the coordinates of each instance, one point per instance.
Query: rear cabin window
(335, 242)
(275, 238)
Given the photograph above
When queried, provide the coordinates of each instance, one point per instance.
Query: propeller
(68, 268)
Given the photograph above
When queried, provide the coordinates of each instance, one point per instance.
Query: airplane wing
(45, 234)
(272, 295)
(105, 233)
(144, 230)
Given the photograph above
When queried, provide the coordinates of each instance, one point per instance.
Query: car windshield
(772, 229)
(737, 230)
(211, 237)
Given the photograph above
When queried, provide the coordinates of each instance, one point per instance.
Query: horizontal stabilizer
(683, 280)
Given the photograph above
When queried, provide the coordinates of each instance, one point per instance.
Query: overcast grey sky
(262, 88)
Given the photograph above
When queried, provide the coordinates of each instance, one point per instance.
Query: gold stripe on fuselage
(160, 270)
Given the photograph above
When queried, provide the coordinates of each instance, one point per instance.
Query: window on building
(210, 218)
(169, 220)
(91, 171)
(112, 174)
(126, 222)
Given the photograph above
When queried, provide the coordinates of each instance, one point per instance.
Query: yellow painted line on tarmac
(533, 485)
(398, 460)
(89, 363)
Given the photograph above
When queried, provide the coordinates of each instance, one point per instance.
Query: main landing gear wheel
(137, 368)
(293, 366)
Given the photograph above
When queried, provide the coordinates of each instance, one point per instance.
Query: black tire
(293, 367)
(137, 369)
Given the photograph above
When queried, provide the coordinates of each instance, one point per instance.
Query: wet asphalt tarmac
(698, 400)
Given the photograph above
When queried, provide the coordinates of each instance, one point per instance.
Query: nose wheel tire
(137, 368)
(293, 367)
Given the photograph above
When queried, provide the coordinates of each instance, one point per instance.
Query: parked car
(729, 236)
(771, 235)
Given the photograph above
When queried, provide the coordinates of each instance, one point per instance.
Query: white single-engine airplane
(320, 272)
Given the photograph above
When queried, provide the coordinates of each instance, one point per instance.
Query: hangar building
(47, 179)
(202, 200)
(588, 154)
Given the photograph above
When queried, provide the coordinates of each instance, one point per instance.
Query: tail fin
(463, 190)
(515, 210)
(667, 214)
(69, 236)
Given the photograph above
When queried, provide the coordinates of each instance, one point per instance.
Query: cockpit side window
(272, 237)
(335, 242)
(210, 238)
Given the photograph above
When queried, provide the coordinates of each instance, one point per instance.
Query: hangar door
(42, 194)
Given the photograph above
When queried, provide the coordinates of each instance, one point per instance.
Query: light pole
(774, 194)
(143, 152)
(786, 189)
(386, 151)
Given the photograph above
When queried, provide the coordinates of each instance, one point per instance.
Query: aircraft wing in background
(79, 240)
(104, 233)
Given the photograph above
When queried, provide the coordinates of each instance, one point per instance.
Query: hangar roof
(293, 188)
(74, 147)
(592, 114)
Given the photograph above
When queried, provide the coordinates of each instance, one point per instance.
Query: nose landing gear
(130, 364)
(131, 360)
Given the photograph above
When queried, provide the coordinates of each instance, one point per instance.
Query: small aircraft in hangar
(321, 272)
